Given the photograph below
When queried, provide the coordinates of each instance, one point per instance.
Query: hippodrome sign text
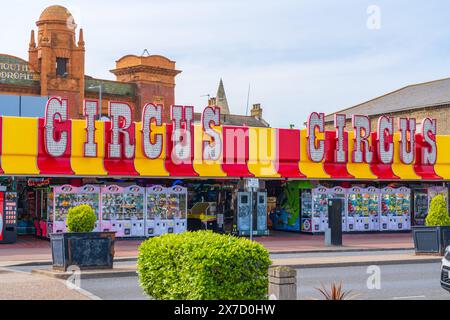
(56, 144)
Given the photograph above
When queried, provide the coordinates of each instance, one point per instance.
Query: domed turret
(55, 14)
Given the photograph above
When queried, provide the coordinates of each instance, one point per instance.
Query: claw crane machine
(133, 210)
(374, 208)
(388, 220)
(319, 221)
(354, 209)
(156, 210)
(64, 198)
(177, 201)
(90, 195)
(403, 203)
(112, 213)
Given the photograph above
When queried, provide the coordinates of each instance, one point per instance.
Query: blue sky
(298, 56)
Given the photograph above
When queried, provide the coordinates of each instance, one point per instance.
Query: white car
(445, 270)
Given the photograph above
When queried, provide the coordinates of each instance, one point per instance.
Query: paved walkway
(29, 249)
(16, 285)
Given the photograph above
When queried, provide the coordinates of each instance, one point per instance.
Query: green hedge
(203, 265)
(438, 213)
(81, 219)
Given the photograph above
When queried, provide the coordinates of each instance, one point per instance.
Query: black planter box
(431, 239)
(86, 250)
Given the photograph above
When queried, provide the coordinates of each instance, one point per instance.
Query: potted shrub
(434, 237)
(80, 246)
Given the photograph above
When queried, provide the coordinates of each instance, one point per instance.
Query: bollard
(283, 283)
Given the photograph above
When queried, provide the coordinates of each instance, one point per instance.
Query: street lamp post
(99, 87)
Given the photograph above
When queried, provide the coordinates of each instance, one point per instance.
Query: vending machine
(319, 221)
(306, 210)
(388, 220)
(354, 209)
(8, 216)
(362, 221)
(112, 210)
(261, 213)
(374, 208)
(156, 211)
(341, 194)
(177, 209)
(64, 198)
(244, 209)
(90, 195)
(133, 211)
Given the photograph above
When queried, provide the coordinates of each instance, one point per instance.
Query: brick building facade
(56, 67)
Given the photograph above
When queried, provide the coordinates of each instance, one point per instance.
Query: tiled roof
(411, 97)
(110, 87)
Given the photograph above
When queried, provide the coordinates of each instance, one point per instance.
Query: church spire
(221, 99)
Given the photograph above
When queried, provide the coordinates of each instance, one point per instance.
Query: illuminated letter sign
(316, 121)
(211, 150)
(361, 125)
(407, 129)
(90, 112)
(181, 152)
(120, 114)
(56, 108)
(385, 143)
(152, 150)
(429, 130)
(339, 123)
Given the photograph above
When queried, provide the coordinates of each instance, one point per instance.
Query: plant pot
(86, 250)
(431, 239)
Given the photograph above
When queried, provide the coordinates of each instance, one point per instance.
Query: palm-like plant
(335, 292)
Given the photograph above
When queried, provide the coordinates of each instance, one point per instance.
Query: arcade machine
(156, 211)
(354, 209)
(133, 211)
(177, 209)
(8, 216)
(65, 197)
(50, 199)
(420, 206)
(44, 212)
(90, 195)
(112, 210)
(388, 215)
(319, 221)
(373, 206)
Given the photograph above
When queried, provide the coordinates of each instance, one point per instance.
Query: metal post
(251, 214)
(100, 99)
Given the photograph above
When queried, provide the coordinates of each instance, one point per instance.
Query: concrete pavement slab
(121, 271)
(25, 286)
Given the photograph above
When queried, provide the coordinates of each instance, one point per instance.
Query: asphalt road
(397, 282)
